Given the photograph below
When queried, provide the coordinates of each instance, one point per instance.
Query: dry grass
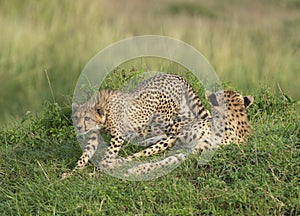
(249, 43)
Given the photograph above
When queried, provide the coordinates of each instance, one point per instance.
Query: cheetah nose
(79, 127)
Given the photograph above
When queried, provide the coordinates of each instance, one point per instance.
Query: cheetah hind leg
(163, 144)
(146, 168)
(159, 147)
(152, 140)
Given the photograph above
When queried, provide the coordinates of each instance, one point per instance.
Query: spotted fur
(229, 124)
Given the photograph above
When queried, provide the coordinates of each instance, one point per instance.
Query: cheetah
(125, 114)
(208, 133)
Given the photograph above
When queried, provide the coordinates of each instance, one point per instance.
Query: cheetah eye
(75, 118)
(86, 118)
(99, 111)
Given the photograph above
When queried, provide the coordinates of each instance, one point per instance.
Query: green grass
(260, 177)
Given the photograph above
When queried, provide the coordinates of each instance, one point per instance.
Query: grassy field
(260, 177)
(254, 47)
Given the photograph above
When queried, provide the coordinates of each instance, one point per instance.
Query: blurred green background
(250, 43)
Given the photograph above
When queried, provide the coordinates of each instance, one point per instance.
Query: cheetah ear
(75, 107)
(93, 102)
(248, 101)
(212, 98)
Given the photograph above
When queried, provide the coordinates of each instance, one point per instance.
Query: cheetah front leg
(87, 154)
(109, 159)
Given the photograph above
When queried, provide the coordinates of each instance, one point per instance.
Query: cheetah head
(236, 125)
(231, 98)
(89, 116)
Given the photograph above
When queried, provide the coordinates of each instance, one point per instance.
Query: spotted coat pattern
(228, 124)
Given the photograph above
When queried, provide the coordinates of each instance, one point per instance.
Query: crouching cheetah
(208, 133)
(122, 114)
